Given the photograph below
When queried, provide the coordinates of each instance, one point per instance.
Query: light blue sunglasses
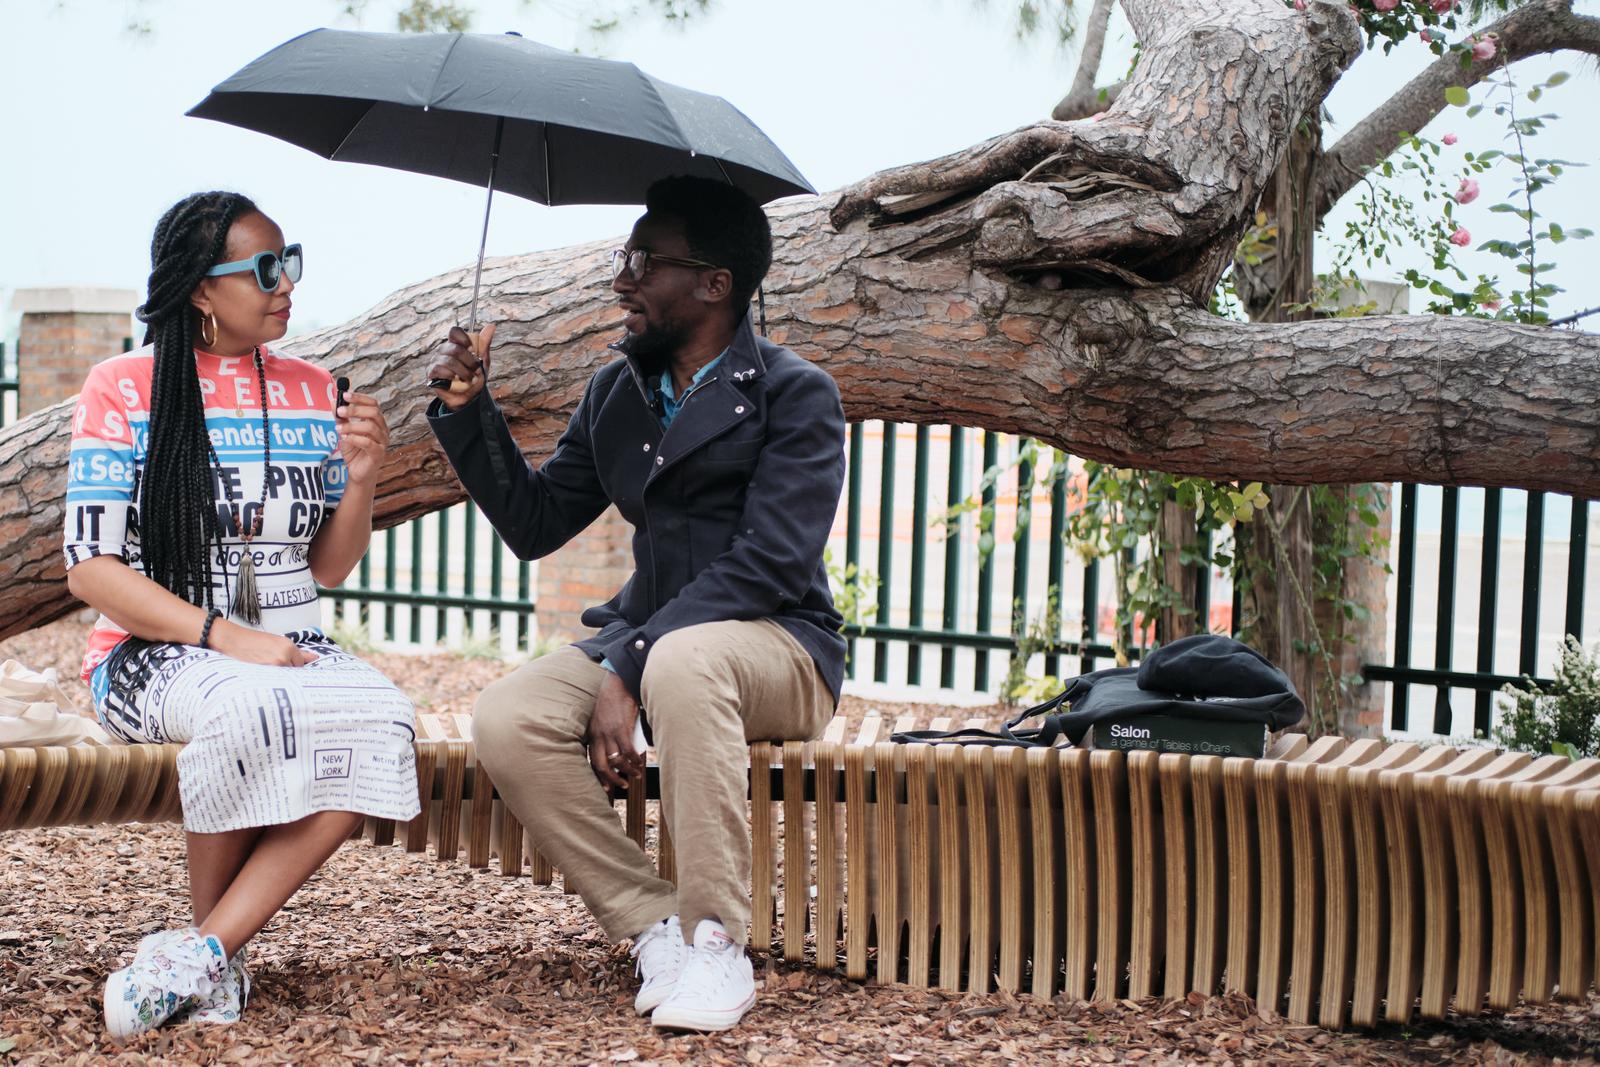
(268, 267)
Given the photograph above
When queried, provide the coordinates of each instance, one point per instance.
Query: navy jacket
(731, 505)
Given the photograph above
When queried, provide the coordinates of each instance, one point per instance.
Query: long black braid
(177, 511)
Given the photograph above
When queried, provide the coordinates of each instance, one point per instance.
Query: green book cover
(1168, 733)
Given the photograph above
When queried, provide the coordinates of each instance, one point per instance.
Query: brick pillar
(64, 332)
(587, 570)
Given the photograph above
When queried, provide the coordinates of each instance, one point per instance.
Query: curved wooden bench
(1335, 882)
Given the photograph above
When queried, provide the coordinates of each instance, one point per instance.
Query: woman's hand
(255, 646)
(363, 437)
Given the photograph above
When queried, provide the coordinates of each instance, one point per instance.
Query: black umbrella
(545, 124)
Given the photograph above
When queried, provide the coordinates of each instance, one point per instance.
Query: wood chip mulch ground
(387, 957)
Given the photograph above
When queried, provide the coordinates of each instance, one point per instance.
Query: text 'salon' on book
(1168, 733)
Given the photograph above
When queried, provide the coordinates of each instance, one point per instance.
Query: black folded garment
(1200, 677)
(1205, 677)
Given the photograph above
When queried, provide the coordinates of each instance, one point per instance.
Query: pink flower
(1299, 5)
(1490, 305)
(1385, 5)
(1461, 237)
(1483, 48)
(1450, 138)
(1442, 6)
(1468, 191)
(1426, 36)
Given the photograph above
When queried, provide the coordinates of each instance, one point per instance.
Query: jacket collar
(741, 361)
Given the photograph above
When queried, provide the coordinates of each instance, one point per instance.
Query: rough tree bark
(1050, 282)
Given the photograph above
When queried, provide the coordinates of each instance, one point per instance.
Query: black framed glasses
(637, 263)
(269, 267)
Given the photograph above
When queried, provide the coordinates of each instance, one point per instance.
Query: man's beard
(655, 346)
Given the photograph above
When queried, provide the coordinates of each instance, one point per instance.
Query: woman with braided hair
(213, 483)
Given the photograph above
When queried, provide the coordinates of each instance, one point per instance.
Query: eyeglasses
(638, 262)
(267, 266)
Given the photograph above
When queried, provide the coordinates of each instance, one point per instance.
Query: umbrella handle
(456, 385)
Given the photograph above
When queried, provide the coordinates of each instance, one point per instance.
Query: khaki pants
(709, 691)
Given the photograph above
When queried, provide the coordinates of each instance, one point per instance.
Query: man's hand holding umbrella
(463, 361)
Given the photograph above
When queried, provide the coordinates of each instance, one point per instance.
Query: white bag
(31, 715)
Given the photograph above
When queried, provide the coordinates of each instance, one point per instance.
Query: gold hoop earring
(208, 341)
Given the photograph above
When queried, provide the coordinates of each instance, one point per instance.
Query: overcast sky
(97, 145)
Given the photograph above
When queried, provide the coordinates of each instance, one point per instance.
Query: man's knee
(497, 720)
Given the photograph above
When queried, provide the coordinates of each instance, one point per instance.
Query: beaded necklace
(246, 598)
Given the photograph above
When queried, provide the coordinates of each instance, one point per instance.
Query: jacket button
(660, 460)
(647, 448)
(639, 643)
(739, 410)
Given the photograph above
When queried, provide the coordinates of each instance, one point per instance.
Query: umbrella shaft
(483, 240)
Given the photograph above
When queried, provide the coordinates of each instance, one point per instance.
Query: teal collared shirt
(670, 404)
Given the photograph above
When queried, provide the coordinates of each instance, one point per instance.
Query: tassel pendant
(246, 600)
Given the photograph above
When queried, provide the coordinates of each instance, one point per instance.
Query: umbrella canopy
(568, 129)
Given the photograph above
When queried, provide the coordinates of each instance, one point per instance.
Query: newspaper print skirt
(265, 745)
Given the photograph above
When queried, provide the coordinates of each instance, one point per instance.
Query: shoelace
(660, 948)
(706, 970)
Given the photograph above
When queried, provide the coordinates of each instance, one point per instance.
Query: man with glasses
(726, 454)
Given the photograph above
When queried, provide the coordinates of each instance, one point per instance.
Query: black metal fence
(444, 580)
(1504, 589)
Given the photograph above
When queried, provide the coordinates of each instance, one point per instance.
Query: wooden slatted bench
(1338, 882)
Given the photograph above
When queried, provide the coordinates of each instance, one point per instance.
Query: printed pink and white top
(110, 437)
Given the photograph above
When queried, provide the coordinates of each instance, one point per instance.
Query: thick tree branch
(1082, 100)
(915, 326)
(1199, 129)
(1095, 101)
(1539, 28)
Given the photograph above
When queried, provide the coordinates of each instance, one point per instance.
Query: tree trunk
(1178, 531)
(1050, 283)
(1282, 541)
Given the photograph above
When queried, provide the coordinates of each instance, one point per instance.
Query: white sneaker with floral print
(171, 971)
(226, 1001)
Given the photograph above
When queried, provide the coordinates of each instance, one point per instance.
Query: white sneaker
(659, 953)
(715, 988)
(172, 970)
(226, 1001)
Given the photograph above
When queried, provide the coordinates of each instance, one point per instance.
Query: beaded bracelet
(205, 631)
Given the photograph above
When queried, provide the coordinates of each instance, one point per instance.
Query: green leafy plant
(855, 592)
(473, 646)
(1392, 218)
(1432, 20)
(356, 639)
(1563, 718)
(1031, 637)
(1115, 514)
(1531, 176)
